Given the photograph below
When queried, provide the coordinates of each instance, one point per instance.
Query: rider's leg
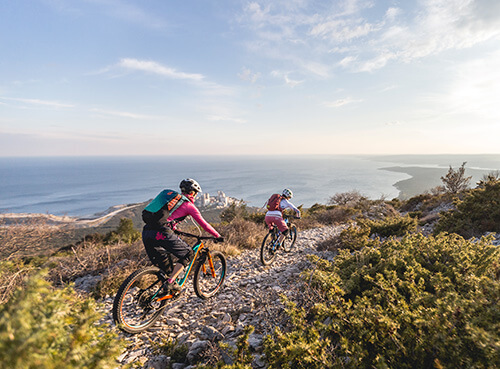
(178, 268)
(279, 222)
(282, 236)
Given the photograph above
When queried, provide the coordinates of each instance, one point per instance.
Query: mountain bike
(144, 294)
(270, 245)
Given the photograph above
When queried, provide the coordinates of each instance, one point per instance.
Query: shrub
(240, 356)
(243, 234)
(336, 215)
(124, 233)
(478, 212)
(393, 226)
(417, 302)
(351, 198)
(355, 237)
(45, 328)
(455, 181)
(13, 275)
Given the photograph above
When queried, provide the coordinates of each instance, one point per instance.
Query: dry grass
(32, 237)
(113, 262)
(243, 234)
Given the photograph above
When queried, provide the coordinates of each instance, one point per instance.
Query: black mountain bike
(270, 245)
(144, 294)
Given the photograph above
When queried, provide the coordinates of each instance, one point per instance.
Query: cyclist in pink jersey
(159, 238)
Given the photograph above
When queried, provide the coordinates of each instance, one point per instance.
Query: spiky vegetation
(476, 213)
(418, 302)
(42, 327)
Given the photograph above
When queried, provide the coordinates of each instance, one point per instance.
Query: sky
(231, 77)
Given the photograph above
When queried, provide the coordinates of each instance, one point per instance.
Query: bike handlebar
(196, 236)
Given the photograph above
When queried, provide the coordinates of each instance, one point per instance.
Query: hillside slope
(250, 296)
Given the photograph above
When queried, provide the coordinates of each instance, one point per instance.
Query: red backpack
(274, 202)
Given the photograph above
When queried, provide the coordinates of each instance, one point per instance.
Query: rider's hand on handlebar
(219, 239)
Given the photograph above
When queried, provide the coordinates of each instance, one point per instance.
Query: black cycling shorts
(159, 244)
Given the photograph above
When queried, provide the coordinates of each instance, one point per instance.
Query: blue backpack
(162, 205)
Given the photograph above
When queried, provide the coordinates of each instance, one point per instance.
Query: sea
(85, 186)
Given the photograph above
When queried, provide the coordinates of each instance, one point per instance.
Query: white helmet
(187, 185)
(287, 193)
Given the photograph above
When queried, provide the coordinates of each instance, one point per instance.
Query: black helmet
(187, 185)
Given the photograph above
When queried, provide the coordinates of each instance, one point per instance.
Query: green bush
(417, 302)
(365, 233)
(124, 233)
(477, 213)
(392, 226)
(45, 328)
(355, 237)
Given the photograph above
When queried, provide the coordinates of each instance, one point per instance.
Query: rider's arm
(285, 204)
(188, 208)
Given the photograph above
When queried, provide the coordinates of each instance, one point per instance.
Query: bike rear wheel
(269, 248)
(290, 238)
(135, 307)
(209, 274)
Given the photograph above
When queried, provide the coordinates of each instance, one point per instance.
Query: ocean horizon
(83, 186)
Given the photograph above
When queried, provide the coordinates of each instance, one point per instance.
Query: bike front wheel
(209, 274)
(268, 249)
(290, 238)
(136, 306)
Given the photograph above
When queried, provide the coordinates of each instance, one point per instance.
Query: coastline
(423, 179)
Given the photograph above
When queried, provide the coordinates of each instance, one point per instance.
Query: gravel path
(250, 296)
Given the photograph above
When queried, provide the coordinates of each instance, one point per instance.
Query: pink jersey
(188, 208)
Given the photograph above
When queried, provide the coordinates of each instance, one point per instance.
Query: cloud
(284, 75)
(340, 102)
(157, 68)
(248, 75)
(436, 26)
(52, 104)
(368, 39)
(125, 114)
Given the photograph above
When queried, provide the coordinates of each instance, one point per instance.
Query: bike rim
(269, 251)
(139, 306)
(210, 280)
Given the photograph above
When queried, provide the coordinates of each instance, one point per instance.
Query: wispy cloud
(53, 104)
(125, 114)
(284, 75)
(305, 33)
(248, 75)
(341, 102)
(157, 68)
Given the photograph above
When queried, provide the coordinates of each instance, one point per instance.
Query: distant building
(218, 201)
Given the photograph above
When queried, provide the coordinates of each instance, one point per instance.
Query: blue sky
(161, 77)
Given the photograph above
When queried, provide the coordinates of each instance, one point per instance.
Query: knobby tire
(267, 254)
(204, 283)
(290, 238)
(134, 308)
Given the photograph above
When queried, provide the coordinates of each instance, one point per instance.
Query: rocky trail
(250, 296)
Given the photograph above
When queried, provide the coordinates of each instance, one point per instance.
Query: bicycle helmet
(187, 185)
(287, 193)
